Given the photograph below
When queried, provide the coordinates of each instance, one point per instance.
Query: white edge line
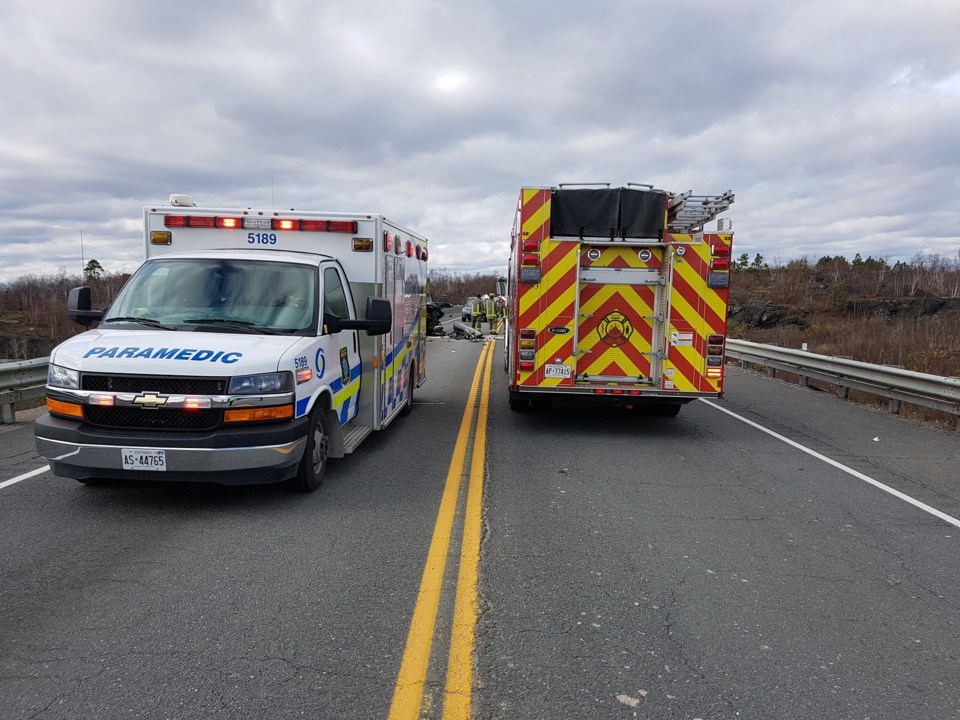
(840, 466)
(17, 479)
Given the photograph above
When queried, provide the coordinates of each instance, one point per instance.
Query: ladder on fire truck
(687, 212)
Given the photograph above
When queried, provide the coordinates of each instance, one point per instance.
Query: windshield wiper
(237, 324)
(149, 322)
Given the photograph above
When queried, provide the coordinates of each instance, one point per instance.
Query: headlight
(261, 384)
(58, 376)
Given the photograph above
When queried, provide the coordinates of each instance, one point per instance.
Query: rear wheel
(518, 402)
(314, 460)
(667, 410)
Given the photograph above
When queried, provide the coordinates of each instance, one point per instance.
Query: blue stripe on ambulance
(349, 403)
(394, 389)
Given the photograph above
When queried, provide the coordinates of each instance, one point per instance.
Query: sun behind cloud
(450, 80)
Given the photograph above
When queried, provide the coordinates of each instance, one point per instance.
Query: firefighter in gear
(490, 308)
(476, 312)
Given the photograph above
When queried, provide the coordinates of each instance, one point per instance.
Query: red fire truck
(618, 294)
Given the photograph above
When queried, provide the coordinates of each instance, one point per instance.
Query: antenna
(83, 266)
(273, 203)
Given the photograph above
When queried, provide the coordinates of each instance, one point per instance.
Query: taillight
(715, 343)
(720, 250)
(528, 349)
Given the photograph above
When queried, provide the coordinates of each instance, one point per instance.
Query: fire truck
(617, 294)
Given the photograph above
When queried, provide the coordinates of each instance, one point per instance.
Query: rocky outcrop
(901, 307)
(767, 315)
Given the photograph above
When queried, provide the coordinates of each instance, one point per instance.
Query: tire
(314, 460)
(518, 403)
(408, 405)
(667, 410)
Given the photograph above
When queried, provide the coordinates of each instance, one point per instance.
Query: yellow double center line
(408, 694)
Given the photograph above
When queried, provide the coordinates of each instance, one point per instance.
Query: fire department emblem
(615, 329)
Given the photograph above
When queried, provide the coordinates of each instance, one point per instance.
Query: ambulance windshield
(219, 295)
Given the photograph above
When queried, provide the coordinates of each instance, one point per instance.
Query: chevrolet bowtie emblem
(149, 400)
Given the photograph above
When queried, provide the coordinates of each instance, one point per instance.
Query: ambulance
(237, 352)
(618, 295)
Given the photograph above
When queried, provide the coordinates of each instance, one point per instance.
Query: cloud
(833, 123)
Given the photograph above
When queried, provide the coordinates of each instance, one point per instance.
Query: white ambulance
(236, 354)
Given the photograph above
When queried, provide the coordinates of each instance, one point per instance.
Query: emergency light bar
(260, 223)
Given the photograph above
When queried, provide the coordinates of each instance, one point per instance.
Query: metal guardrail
(23, 380)
(897, 384)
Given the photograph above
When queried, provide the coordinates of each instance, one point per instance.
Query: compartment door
(619, 290)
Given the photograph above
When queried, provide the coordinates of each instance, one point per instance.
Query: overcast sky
(835, 122)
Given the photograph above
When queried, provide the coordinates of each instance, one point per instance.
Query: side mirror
(78, 307)
(378, 322)
(379, 316)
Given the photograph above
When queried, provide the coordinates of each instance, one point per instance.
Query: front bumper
(233, 456)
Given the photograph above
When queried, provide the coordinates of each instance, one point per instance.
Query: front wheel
(314, 460)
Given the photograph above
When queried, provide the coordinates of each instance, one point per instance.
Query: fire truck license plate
(134, 459)
(556, 371)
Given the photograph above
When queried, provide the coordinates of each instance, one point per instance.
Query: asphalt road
(630, 566)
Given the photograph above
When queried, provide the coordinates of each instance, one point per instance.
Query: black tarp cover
(607, 213)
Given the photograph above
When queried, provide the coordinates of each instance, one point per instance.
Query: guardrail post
(894, 406)
(7, 416)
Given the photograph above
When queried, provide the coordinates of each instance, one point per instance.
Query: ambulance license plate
(556, 371)
(135, 459)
